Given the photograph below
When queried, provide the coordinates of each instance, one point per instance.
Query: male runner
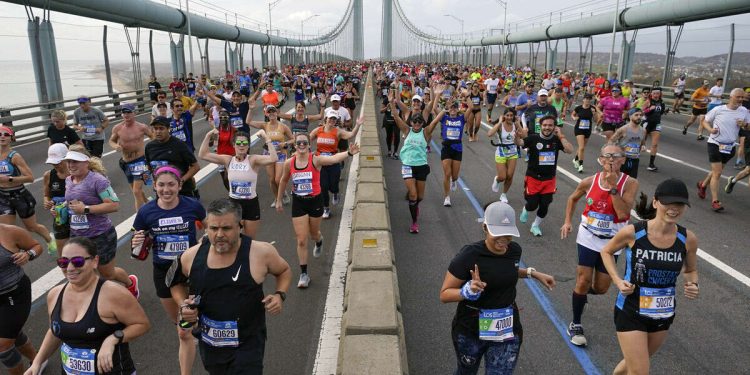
(127, 137)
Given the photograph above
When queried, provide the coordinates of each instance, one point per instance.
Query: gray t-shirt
(90, 121)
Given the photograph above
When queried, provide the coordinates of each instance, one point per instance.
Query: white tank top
(242, 179)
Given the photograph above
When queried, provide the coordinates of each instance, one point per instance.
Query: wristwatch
(10, 179)
(613, 191)
(119, 335)
(281, 294)
(86, 210)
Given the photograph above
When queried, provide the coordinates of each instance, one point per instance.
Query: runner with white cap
(54, 193)
(486, 323)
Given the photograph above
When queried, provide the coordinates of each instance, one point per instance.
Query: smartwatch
(613, 191)
(86, 210)
(119, 335)
(281, 294)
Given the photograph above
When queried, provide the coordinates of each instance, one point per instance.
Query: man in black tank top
(227, 264)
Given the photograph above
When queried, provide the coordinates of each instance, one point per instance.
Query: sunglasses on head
(77, 261)
(302, 143)
(242, 143)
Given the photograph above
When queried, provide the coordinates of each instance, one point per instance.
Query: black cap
(672, 191)
(588, 96)
(161, 120)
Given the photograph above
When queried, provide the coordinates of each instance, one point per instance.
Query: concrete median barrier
(372, 330)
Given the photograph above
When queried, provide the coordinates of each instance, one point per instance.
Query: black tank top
(82, 339)
(56, 186)
(226, 321)
(300, 126)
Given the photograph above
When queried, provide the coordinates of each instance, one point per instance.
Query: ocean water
(17, 81)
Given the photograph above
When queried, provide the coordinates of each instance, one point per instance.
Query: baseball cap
(236, 92)
(56, 153)
(588, 96)
(161, 121)
(271, 107)
(127, 108)
(416, 97)
(335, 98)
(617, 88)
(332, 113)
(500, 219)
(77, 156)
(672, 191)
(633, 110)
(542, 92)
(83, 99)
(706, 82)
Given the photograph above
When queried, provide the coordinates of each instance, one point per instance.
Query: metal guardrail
(30, 121)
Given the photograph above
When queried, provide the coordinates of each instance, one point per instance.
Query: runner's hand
(21, 258)
(565, 230)
(691, 290)
(33, 370)
(354, 149)
(138, 237)
(477, 285)
(625, 287)
(76, 206)
(272, 303)
(547, 280)
(187, 313)
(104, 357)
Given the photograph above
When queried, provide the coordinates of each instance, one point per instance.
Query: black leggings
(329, 181)
(541, 201)
(15, 307)
(392, 136)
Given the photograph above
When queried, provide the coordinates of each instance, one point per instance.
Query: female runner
(281, 137)
(506, 154)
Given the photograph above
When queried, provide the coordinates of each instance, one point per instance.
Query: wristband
(33, 255)
(530, 271)
(467, 294)
(349, 153)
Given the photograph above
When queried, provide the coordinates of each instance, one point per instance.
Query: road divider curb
(372, 329)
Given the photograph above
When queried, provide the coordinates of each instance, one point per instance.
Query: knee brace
(10, 358)
(21, 339)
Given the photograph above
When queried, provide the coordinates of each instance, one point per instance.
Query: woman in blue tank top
(656, 251)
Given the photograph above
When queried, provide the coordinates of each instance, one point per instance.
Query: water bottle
(141, 252)
(183, 323)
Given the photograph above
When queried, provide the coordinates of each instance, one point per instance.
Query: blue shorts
(137, 168)
(591, 258)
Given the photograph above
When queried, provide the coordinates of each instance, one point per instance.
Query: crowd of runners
(204, 254)
(530, 112)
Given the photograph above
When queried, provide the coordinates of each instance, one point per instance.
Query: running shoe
(414, 228)
(575, 331)
(524, 216)
(716, 206)
(580, 168)
(495, 185)
(285, 201)
(536, 231)
(304, 281)
(503, 198)
(575, 163)
(701, 190)
(273, 204)
(335, 199)
(395, 155)
(447, 201)
(390, 154)
(526, 157)
(133, 288)
(700, 137)
(730, 185)
(52, 245)
(318, 248)
(326, 212)
(652, 168)
(684, 130)
(454, 185)
(739, 164)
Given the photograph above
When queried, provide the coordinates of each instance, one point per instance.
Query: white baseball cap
(332, 113)
(335, 98)
(77, 156)
(56, 153)
(500, 219)
(542, 92)
(416, 97)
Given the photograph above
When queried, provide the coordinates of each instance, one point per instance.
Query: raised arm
(211, 157)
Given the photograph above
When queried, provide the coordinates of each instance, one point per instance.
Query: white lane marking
(701, 253)
(327, 354)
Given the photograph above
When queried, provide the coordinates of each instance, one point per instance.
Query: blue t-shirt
(523, 99)
(244, 82)
(173, 230)
(182, 129)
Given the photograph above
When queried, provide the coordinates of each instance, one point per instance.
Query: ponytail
(645, 208)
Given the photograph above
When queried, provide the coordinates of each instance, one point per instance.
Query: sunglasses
(177, 106)
(5, 134)
(302, 143)
(78, 261)
(241, 143)
(616, 155)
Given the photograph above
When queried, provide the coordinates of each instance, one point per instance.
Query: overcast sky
(80, 38)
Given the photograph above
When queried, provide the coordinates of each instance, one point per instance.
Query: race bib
(584, 124)
(632, 150)
(453, 134)
(506, 151)
(326, 154)
(79, 222)
(180, 134)
(496, 324)
(236, 122)
(219, 334)
(406, 172)
(600, 224)
(137, 168)
(241, 189)
(4, 167)
(657, 303)
(726, 148)
(78, 361)
(170, 246)
(302, 183)
(90, 129)
(546, 158)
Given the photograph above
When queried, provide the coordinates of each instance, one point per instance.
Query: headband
(8, 129)
(168, 169)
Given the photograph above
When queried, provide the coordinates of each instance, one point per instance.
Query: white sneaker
(495, 185)
(318, 249)
(447, 201)
(273, 204)
(335, 199)
(304, 281)
(503, 198)
(326, 213)
(454, 185)
(286, 199)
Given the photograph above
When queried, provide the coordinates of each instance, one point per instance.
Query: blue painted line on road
(581, 355)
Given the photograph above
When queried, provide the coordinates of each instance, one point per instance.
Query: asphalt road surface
(709, 335)
(292, 335)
